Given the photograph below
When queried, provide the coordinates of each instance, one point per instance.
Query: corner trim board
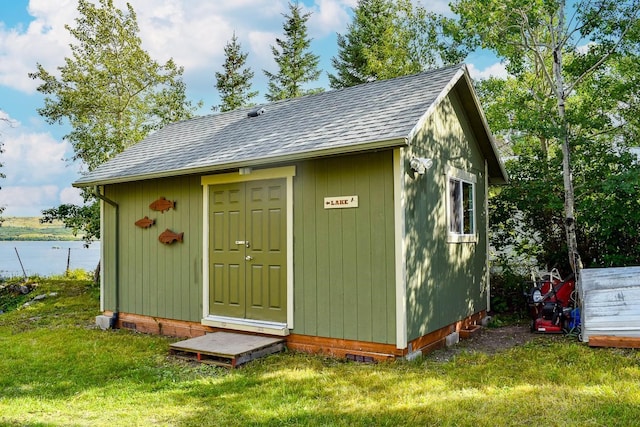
(400, 249)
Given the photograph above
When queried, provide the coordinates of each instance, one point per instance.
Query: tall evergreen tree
(390, 38)
(297, 65)
(371, 20)
(234, 83)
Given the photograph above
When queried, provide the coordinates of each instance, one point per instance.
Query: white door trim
(287, 173)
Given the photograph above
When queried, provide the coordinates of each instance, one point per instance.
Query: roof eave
(252, 162)
(497, 172)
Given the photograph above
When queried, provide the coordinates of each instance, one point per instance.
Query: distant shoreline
(39, 238)
(30, 229)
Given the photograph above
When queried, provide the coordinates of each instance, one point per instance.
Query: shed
(352, 222)
(610, 306)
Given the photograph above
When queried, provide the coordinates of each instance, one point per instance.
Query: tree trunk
(569, 197)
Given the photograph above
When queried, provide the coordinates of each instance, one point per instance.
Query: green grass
(57, 369)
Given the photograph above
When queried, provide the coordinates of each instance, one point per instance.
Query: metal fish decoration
(167, 237)
(145, 222)
(162, 205)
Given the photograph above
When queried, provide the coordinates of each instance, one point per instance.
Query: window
(461, 203)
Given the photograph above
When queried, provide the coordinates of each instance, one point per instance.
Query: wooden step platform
(227, 349)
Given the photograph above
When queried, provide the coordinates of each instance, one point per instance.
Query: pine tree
(234, 83)
(371, 19)
(297, 65)
(390, 38)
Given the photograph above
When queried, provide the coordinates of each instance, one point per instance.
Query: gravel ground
(491, 341)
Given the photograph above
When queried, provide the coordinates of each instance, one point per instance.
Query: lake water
(46, 258)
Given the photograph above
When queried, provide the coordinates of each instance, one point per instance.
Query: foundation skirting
(351, 349)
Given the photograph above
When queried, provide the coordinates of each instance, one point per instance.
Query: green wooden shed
(352, 222)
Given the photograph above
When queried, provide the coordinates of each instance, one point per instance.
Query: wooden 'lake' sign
(341, 202)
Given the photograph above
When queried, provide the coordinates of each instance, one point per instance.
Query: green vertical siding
(445, 281)
(344, 271)
(155, 279)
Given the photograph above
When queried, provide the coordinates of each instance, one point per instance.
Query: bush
(507, 293)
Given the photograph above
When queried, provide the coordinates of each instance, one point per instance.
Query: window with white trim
(461, 205)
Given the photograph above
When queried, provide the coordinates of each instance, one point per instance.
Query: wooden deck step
(227, 349)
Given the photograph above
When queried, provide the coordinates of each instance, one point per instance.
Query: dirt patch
(489, 341)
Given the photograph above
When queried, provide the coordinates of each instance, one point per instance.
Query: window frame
(461, 177)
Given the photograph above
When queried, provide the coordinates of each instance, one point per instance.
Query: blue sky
(193, 33)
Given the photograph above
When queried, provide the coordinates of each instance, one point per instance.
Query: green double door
(247, 250)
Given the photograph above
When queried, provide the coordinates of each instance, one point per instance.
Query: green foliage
(526, 216)
(390, 39)
(84, 220)
(507, 292)
(297, 65)
(566, 115)
(234, 83)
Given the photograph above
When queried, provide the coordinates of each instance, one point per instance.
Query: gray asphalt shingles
(374, 112)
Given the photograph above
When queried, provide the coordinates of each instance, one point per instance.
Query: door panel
(267, 229)
(227, 274)
(248, 281)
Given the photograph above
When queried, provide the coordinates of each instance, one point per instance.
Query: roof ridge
(361, 86)
(374, 115)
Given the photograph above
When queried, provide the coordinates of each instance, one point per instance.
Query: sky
(36, 158)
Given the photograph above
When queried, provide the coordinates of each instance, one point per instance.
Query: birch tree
(562, 47)
(111, 93)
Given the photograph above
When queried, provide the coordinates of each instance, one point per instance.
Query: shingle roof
(377, 114)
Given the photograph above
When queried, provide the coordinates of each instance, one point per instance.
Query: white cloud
(35, 170)
(71, 195)
(28, 200)
(583, 49)
(260, 43)
(32, 157)
(494, 70)
(192, 33)
(329, 17)
(44, 41)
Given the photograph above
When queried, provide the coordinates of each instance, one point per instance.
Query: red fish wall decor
(162, 204)
(145, 222)
(168, 237)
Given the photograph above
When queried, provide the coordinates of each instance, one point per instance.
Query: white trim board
(286, 172)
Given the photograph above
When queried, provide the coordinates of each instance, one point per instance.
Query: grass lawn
(57, 369)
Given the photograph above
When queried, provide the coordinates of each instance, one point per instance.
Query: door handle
(248, 257)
